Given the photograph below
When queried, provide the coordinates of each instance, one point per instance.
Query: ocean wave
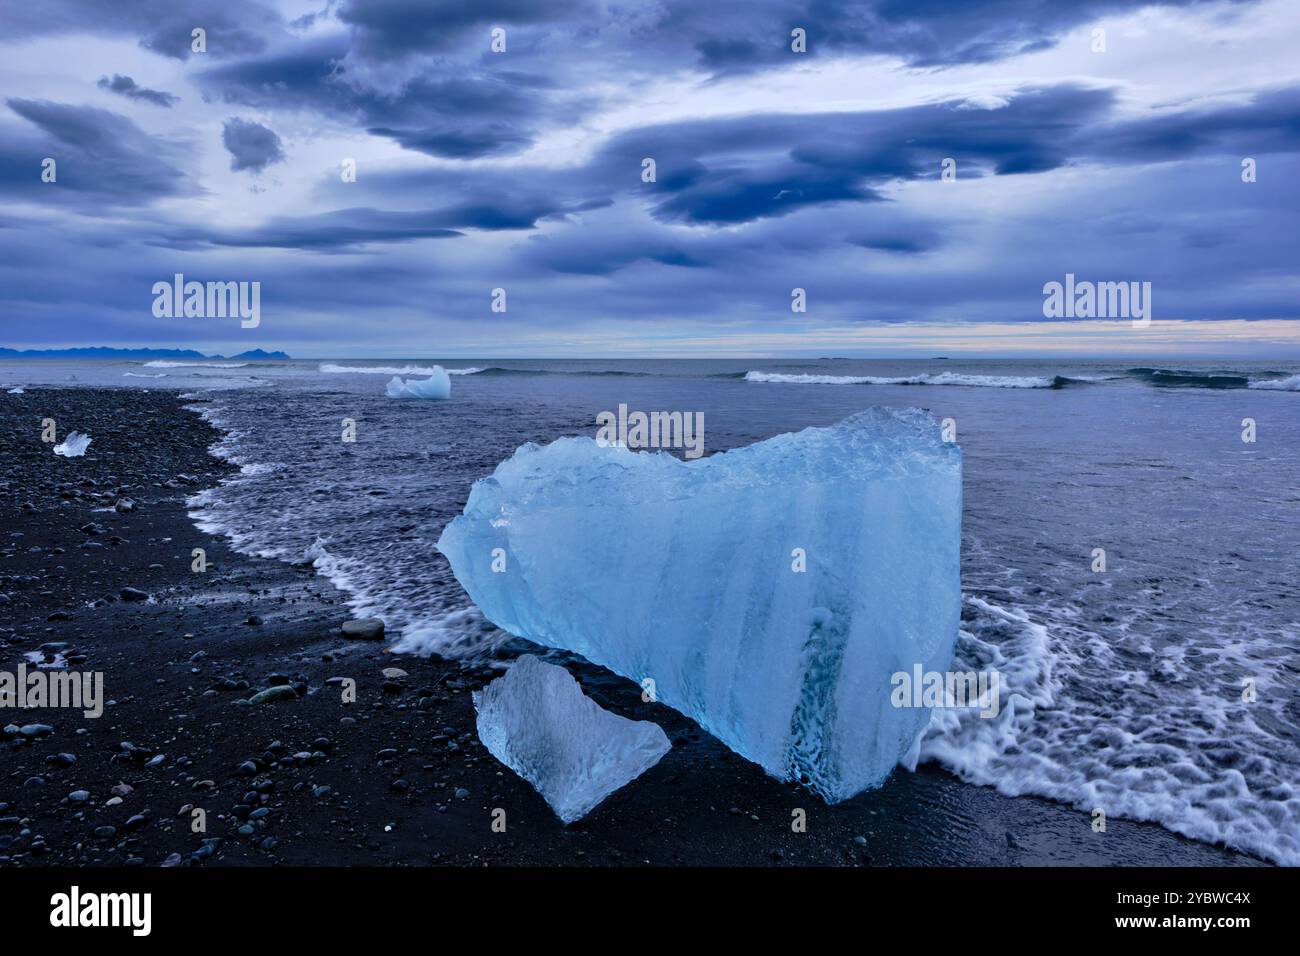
(1183, 378)
(1069, 729)
(1291, 384)
(165, 363)
(143, 375)
(940, 378)
(331, 368)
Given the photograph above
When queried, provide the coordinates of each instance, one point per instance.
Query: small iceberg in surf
(437, 386)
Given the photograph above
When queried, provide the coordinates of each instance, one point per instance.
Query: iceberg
(74, 446)
(439, 386)
(768, 592)
(537, 721)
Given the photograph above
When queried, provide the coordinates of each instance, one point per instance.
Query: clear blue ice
(683, 576)
(438, 385)
(538, 722)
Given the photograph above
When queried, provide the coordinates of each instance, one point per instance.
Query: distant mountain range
(101, 352)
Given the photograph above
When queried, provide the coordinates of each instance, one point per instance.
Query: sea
(1130, 543)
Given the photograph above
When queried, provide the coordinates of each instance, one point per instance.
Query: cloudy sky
(774, 170)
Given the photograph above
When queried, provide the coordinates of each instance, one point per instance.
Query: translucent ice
(439, 386)
(538, 722)
(74, 446)
(688, 574)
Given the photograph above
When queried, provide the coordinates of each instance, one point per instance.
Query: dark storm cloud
(459, 101)
(233, 27)
(344, 228)
(97, 152)
(729, 35)
(125, 86)
(740, 171)
(737, 170)
(1269, 123)
(251, 145)
(397, 27)
(456, 114)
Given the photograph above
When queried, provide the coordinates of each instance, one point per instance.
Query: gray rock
(364, 629)
(280, 692)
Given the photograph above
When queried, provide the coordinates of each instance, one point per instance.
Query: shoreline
(397, 778)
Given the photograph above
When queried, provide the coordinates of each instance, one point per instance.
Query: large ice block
(538, 722)
(687, 574)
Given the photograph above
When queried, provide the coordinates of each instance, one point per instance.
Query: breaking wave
(941, 378)
(1291, 384)
(164, 363)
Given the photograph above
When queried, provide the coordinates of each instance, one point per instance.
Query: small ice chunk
(770, 592)
(74, 446)
(538, 722)
(437, 386)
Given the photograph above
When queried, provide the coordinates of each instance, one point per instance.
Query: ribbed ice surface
(682, 573)
(538, 722)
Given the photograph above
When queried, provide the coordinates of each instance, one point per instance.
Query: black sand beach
(396, 778)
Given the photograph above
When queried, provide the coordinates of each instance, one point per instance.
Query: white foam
(1076, 725)
(331, 368)
(1291, 384)
(143, 375)
(941, 378)
(163, 363)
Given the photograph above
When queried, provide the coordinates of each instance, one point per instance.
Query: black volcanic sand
(399, 777)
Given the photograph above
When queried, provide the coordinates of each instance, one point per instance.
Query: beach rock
(133, 594)
(123, 505)
(273, 694)
(364, 629)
